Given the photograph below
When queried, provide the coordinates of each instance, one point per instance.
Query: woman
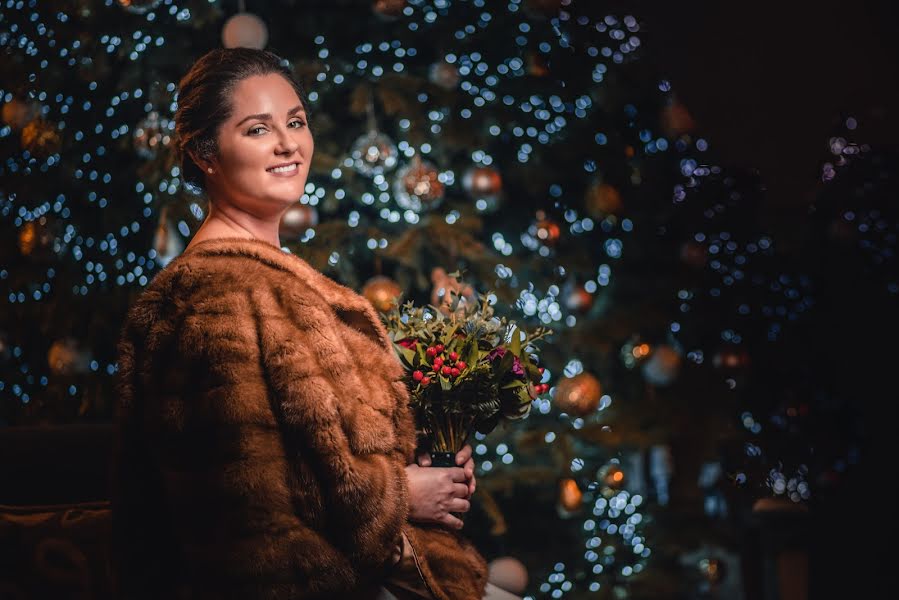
(266, 448)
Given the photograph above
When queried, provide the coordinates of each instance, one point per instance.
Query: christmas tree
(524, 143)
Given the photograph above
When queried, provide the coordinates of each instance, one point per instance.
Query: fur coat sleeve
(264, 434)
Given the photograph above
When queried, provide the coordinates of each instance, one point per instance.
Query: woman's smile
(285, 170)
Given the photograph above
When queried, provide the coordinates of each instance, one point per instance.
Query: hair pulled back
(204, 101)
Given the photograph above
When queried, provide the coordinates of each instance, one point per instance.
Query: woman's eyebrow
(268, 117)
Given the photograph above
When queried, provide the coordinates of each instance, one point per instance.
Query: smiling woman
(265, 445)
(244, 136)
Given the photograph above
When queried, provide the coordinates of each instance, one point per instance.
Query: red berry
(438, 362)
(446, 370)
(541, 369)
(418, 375)
(455, 371)
(439, 347)
(453, 356)
(544, 387)
(431, 351)
(425, 381)
(461, 364)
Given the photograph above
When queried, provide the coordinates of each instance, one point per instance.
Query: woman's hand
(463, 459)
(435, 493)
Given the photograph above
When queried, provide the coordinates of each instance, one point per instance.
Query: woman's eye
(253, 130)
(298, 123)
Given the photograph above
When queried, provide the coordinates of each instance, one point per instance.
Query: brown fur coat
(264, 431)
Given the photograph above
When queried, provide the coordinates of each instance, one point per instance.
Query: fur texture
(263, 433)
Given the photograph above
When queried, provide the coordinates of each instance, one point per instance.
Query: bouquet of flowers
(466, 369)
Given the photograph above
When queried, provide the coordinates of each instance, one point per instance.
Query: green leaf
(515, 344)
(445, 384)
(514, 384)
(407, 355)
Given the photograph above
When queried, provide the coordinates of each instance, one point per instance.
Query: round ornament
(382, 292)
(578, 395)
(245, 30)
(374, 153)
(418, 187)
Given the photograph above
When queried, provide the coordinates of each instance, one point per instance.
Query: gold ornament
(663, 365)
(603, 199)
(537, 64)
(17, 113)
(570, 495)
(35, 238)
(578, 299)
(297, 219)
(382, 292)
(611, 476)
(548, 231)
(482, 182)
(509, 574)
(40, 138)
(444, 75)
(578, 395)
(418, 186)
(388, 9)
(676, 120)
(66, 357)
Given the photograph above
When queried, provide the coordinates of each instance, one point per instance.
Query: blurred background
(698, 198)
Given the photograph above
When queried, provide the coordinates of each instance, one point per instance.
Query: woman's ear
(206, 166)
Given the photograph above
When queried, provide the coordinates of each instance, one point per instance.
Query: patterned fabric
(58, 552)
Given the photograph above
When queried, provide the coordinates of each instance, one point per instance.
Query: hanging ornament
(538, 66)
(444, 75)
(578, 395)
(441, 295)
(382, 292)
(245, 30)
(19, 113)
(676, 119)
(602, 199)
(694, 254)
(150, 134)
(611, 476)
(418, 187)
(577, 298)
(389, 10)
(570, 495)
(508, 573)
(139, 7)
(546, 230)
(40, 138)
(374, 153)
(297, 219)
(66, 357)
(167, 241)
(36, 239)
(484, 185)
(662, 366)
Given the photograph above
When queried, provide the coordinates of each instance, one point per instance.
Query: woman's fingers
(452, 522)
(463, 455)
(459, 505)
(424, 459)
(460, 490)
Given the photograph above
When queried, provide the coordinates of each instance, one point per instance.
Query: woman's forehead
(269, 93)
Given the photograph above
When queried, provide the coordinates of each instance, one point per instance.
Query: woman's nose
(286, 143)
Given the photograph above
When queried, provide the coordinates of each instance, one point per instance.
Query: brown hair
(204, 101)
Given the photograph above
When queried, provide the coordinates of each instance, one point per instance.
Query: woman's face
(264, 148)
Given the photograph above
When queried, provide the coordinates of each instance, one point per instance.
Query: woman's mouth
(287, 170)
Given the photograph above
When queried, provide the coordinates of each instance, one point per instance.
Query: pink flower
(410, 343)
